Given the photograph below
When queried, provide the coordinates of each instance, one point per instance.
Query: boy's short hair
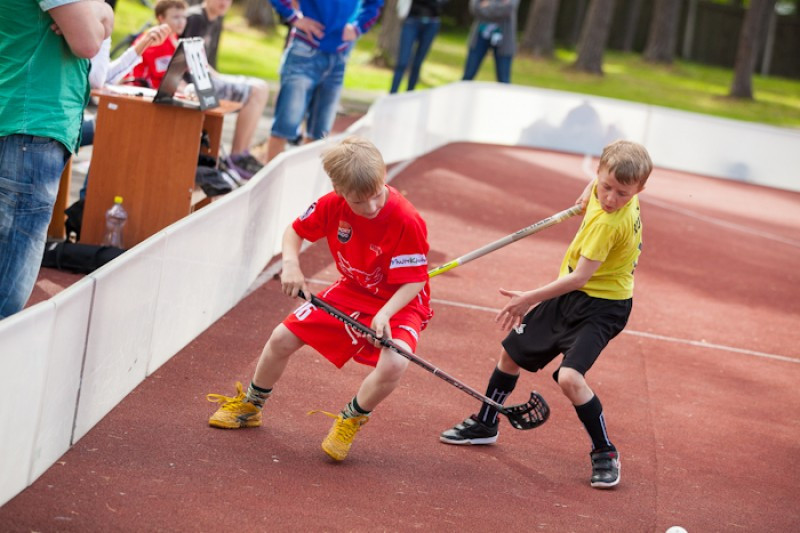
(629, 161)
(355, 166)
(162, 6)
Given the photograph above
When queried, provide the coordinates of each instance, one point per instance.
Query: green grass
(685, 86)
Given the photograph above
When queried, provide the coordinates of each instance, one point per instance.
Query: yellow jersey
(614, 239)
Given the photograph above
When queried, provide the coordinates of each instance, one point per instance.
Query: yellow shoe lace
(226, 402)
(347, 428)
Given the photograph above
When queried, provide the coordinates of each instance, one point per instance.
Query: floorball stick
(528, 415)
(508, 239)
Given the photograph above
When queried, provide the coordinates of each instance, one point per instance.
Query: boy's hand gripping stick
(528, 415)
(508, 239)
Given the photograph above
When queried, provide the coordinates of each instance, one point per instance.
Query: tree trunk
(538, 39)
(663, 36)
(594, 36)
(389, 36)
(755, 24)
(631, 24)
(259, 14)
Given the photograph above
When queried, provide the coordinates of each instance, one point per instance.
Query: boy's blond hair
(162, 6)
(355, 167)
(629, 161)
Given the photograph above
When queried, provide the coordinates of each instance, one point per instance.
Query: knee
(571, 381)
(282, 342)
(391, 366)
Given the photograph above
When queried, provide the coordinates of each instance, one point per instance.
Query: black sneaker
(470, 431)
(247, 163)
(605, 469)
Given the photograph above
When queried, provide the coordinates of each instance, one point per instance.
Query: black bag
(76, 257)
(74, 219)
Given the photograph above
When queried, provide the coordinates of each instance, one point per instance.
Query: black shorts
(575, 324)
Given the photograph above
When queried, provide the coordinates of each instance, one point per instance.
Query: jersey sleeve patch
(408, 260)
(308, 211)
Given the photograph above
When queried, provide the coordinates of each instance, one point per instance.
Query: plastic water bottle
(116, 217)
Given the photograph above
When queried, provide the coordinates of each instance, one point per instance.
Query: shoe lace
(347, 429)
(227, 402)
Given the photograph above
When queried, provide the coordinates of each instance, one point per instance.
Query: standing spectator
(420, 28)
(313, 65)
(44, 66)
(495, 27)
(205, 21)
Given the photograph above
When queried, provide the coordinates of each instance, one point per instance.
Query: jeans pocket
(302, 49)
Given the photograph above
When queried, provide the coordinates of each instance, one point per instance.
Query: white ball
(676, 529)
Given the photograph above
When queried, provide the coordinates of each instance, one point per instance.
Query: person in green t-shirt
(43, 90)
(578, 313)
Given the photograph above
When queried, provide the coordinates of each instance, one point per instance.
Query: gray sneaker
(470, 431)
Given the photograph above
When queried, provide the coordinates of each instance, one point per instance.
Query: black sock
(499, 388)
(352, 409)
(591, 414)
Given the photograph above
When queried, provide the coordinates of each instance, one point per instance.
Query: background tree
(631, 24)
(538, 39)
(754, 28)
(594, 36)
(259, 13)
(389, 37)
(663, 35)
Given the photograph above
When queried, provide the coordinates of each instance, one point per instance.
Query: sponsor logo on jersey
(344, 232)
(308, 211)
(409, 260)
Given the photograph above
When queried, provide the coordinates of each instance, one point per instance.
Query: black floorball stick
(528, 415)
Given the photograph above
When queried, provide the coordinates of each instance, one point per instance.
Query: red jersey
(155, 61)
(374, 256)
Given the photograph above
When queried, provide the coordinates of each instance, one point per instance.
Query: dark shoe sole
(463, 442)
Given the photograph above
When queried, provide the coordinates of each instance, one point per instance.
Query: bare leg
(275, 147)
(574, 386)
(247, 121)
(384, 379)
(507, 365)
(275, 356)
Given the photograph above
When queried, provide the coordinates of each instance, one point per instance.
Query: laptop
(189, 58)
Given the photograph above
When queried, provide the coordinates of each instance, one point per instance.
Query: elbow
(85, 50)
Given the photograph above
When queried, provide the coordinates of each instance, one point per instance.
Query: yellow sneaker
(234, 413)
(341, 435)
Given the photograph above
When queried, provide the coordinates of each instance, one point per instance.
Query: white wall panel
(204, 273)
(26, 342)
(711, 146)
(120, 331)
(63, 359)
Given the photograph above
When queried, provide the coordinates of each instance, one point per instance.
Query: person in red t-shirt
(155, 59)
(379, 243)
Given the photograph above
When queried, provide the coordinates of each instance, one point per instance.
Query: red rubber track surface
(700, 391)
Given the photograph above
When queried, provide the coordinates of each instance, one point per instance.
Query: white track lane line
(665, 338)
(586, 168)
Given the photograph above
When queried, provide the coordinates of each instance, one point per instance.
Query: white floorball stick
(508, 239)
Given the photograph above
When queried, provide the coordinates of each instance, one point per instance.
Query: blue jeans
(419, 30)
(502, 64)
(305, 73)
(30, 170)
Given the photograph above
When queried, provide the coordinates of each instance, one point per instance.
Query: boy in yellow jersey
(578, 313)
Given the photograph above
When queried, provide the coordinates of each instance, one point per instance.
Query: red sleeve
(409, 262)
(140, 71)
(312, 224)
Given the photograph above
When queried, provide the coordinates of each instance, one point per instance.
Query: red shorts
(339, 342)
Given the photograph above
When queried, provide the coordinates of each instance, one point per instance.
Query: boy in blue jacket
(313, 64)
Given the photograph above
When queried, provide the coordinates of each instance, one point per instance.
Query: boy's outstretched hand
(511, 315)
(380, 325)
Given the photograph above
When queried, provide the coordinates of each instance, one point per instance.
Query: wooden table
(146, 153)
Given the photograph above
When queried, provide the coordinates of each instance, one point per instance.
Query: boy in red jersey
(155, 59)
(379, 243)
